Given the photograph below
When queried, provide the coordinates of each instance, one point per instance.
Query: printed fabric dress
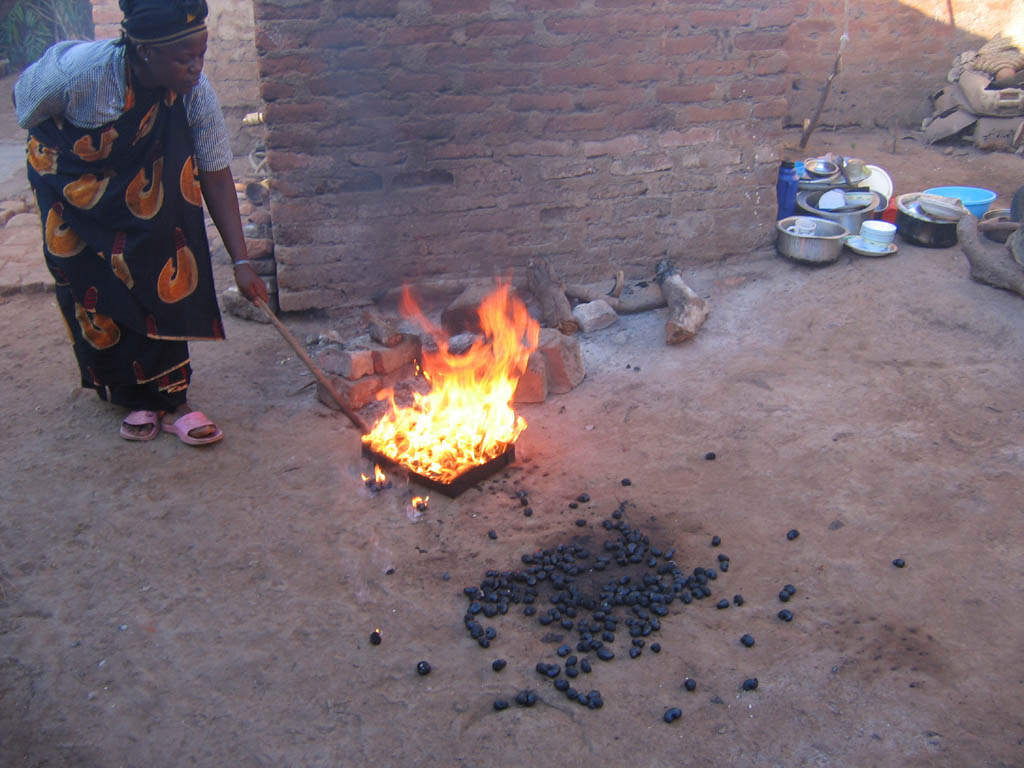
(125, 240)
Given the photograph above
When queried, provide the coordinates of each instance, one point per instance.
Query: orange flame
(419, 503)
(466, 419)
(378, 476)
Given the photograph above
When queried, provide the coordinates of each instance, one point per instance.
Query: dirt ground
(164, 606)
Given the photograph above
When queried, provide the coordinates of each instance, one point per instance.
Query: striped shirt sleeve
(86, 83)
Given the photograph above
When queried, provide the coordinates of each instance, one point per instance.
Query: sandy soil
(164, 606)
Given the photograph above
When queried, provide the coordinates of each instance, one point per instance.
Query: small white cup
(877, 234)
(803, 226)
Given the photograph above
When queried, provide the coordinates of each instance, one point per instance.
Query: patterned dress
(125, 239)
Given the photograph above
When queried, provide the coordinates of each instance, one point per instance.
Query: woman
(126, 141)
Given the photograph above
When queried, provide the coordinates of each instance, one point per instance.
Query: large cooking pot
(851, 216)
(919, 228)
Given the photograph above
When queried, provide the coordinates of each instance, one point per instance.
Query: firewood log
(631, 299)
(991, 263)
(686, 310)
(549, 290)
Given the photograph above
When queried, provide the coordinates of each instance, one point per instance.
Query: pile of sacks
(984, 101)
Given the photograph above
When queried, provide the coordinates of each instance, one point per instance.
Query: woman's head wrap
(157, 22)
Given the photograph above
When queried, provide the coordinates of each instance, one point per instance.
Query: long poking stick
(314, 369)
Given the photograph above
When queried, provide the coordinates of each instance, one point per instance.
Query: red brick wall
(897, 55)
(429, 139)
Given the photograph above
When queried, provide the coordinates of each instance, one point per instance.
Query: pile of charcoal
(625, 588)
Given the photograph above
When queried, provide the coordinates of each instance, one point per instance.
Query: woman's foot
(192, 427)
(140, 425)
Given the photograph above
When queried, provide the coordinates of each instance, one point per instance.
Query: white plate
(878, 181)
(859, 245)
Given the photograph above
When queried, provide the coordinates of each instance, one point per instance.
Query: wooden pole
(321, 377)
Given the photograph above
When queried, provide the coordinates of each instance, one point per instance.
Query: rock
(235, 304)
(594, 315)
(563, 359)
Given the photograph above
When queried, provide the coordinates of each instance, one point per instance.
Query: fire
(379, 480)
(466, 419)
(419, 503)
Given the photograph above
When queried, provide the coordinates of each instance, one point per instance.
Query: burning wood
(465, 420)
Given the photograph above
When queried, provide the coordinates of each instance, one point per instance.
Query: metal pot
(920, 229)
(807, 201)
(822, 246)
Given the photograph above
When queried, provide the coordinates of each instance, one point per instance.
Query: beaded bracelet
(241, 261)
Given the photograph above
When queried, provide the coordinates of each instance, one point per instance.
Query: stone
(594, 315)
(351, 360)
(235, 304)
(533, 384)
(563, 359)
(388, 359)
(355, 394)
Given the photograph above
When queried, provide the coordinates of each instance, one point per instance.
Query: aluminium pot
(920, 229)
(851, 217)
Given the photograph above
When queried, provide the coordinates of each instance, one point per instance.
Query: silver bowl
(822, 246)
(817, 166)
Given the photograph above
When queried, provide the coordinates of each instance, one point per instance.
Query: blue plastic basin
(976, 199)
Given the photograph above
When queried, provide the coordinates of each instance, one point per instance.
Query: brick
(271, 91)
(720, 18)
(351, 360)
(543, 102)
(688, 138)
(368, 9)
(685, 93)
(458, 55)
(578, 76)
(273, 10)
(416, 35)
(684, 46)
(759, 41)
(734, 111)
(494, 80)
(388, 359)
(531, 53)
(563, 359)
(259, 248)
(499, 28)
(342, 35)
(623, 145)
(355, 394)
(532, 386)
(290, 65)
(441, 7)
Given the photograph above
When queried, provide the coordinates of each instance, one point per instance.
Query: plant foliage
(32, 26)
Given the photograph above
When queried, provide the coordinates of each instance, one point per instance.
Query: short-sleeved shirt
(86, 82)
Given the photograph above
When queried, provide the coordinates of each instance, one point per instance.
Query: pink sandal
(191, 421)
(149, 419)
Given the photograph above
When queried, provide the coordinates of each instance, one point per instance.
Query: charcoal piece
(423, 668)
(690, 684)
(747, 640)
(672, 714)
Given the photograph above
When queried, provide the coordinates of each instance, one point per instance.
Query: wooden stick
(321, 377)
(809, 126)
(549, 290)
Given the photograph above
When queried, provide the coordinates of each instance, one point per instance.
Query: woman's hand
(249, 283)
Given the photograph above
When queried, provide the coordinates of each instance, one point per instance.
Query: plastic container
(975, 199)
(786, 189)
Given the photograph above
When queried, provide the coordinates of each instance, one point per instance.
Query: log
(632, 299)
(549, 290)
(991, 263)
(686, 310)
